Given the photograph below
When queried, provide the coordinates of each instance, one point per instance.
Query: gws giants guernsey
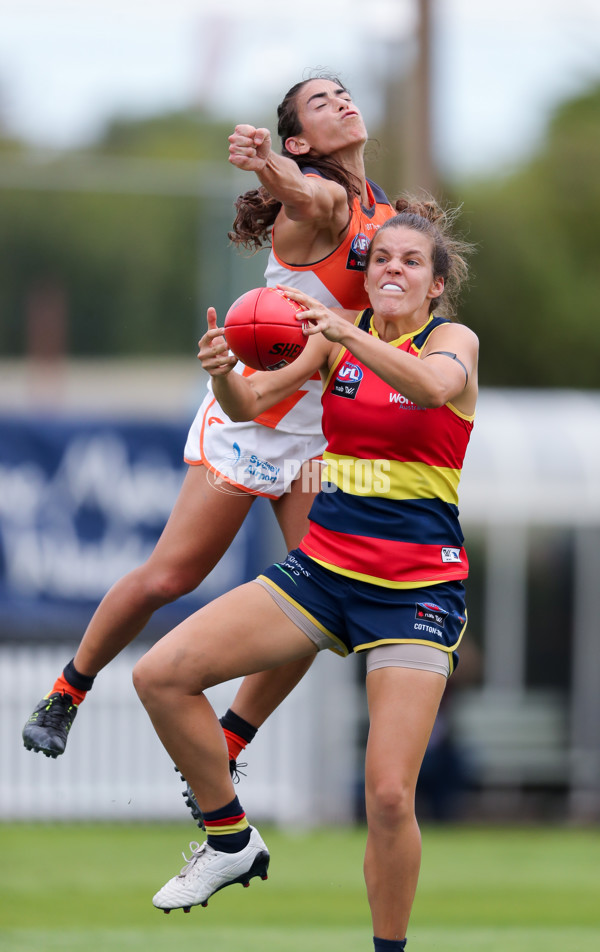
(336, 281)
(387, 512)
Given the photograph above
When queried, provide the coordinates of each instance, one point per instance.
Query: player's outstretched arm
(304, 198)
(446, 372)
(244, 398)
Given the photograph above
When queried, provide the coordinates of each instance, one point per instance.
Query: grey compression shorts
(422, 657)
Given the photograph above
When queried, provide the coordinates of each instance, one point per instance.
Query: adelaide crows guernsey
(336, 281)
(387, 512)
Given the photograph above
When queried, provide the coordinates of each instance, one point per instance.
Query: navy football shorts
(346, 614)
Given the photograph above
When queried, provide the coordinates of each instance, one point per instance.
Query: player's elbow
(428, 395)
(241, 416)
(438, 390)
(434, 397)
(238, 412)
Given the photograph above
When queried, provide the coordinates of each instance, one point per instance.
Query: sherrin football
(262, 331)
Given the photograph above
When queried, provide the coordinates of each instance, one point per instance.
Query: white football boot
(209, 870)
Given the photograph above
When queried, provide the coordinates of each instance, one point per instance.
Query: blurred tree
(176, 136)
(533, 299)
(132, 235)
(134, 231)
(119, 260)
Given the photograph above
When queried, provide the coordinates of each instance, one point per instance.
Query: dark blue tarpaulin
(82, 502)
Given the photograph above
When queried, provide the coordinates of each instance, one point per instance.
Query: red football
(262, 331)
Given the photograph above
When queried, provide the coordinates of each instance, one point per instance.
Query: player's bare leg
(403, 705)
(243, 630)
(260, 694)
(200, 529)
(202, 525)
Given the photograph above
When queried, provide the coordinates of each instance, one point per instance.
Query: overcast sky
(66, 66)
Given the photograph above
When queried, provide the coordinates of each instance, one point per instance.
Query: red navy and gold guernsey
(388, 510)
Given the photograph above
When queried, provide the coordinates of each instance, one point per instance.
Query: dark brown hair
(256, 210)
(448, 253)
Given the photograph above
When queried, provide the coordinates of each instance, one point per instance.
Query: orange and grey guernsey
(337, 280)
(388, 509)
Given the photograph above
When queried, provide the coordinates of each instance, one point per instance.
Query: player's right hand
(213, 352)
(249, 148)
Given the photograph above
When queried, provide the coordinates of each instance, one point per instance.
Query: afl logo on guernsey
(357, 255)
(348, 380)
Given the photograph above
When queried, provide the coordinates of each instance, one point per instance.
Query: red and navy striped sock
(238, 733)
(227, 829)
(72, 682)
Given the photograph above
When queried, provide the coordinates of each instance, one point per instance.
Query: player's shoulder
(325, 180)
(470, 336)
(464, 330)
(378, 193)
(311, 170)
(446, 328)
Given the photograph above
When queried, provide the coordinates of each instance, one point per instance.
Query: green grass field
(88, 888)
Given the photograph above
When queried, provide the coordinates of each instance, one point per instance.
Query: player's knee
(390, 802)
(166, 585)
(148, 680)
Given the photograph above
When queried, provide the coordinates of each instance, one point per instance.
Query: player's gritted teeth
(388, 286)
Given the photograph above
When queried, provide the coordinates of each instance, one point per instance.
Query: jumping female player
(318, 211)
(380, 570)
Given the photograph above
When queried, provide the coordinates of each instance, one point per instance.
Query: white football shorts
(258, 459)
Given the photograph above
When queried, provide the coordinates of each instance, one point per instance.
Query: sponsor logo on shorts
(427, 612)
(347, 382)
(292, 567)
(245, 469)
(258, 476)
(428, 629)
(450, 554)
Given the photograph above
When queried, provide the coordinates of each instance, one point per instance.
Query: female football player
(379, 571)
(317, 211)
